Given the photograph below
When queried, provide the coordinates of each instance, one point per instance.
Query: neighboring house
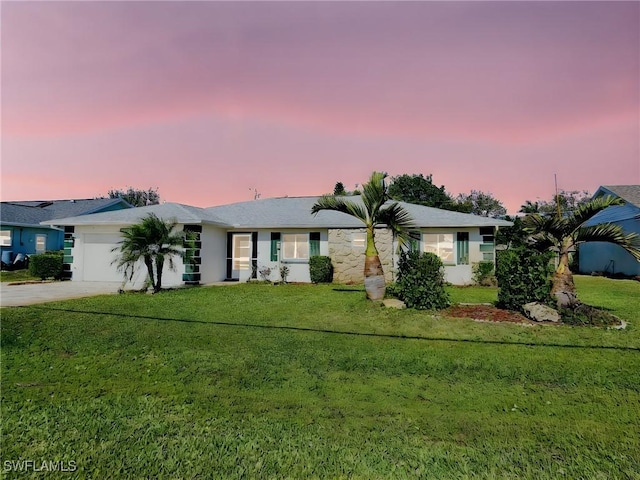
(604, 257)
(237, 240)
(22, 231)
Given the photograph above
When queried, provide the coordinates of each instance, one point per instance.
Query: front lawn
(16, 276)
(258, 381)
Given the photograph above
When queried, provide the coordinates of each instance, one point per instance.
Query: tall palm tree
(564, 233)
(373, 211)
(153, 241)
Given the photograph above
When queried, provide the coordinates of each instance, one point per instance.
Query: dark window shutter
(275, 241)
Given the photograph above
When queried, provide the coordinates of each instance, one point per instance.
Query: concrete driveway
(28, 294)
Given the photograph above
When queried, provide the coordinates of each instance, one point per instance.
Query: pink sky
(210, 100)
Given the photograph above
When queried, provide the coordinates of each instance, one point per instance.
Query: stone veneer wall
(348, 261)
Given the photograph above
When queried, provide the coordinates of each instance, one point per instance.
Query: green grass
(257, 381)
(16, 276)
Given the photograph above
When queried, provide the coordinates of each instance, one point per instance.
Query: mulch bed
(489, 313)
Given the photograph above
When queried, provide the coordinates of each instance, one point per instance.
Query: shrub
(421, 281)
(46, 265)
(483, 274)
(320, 269)
(392, 291)
(585, 315)
(265, 273)
(284, 273)
(524, 275)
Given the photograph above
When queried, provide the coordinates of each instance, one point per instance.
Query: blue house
(22, 232)
(607, 258)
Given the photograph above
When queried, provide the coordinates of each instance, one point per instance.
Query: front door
(241, 253)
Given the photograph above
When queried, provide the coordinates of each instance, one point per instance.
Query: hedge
(46, 265)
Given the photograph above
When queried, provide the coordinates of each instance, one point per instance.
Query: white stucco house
(236, 240)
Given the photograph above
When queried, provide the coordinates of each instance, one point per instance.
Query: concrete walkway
(29, 294)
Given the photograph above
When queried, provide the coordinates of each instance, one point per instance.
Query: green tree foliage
(563, 235)
(480, 203)
(420, 282)
(339, 189)
(136, 197)
(523, 276)
(152, 241)
(569, 201)
(372, 210)
(512, 236)
(420, 190)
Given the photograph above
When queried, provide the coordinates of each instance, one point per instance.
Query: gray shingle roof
(618, 213)
(295, 212)
(21, 215)
(287, 212)
(629, 193)
(184, 214)
(35, 212)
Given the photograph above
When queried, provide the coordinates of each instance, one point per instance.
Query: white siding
(214, 254)
(94, 260)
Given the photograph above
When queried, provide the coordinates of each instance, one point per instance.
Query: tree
(481, 203)
(420, 190)
(373, 210)
(153, 241)
(564, 233)
(512, 236)
(339, 189)
(568, 201)
(137, 198)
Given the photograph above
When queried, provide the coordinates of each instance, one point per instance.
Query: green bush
(483, 274)
(46, 265)
(421, 281)
(524, 275)
(392, 291)
(320, 269)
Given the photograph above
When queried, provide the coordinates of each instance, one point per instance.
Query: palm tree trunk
(374, 283)
(148, 261)
(563, 289)
(159, 267)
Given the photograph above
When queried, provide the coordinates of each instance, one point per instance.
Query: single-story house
(604, 257)
(22, 230)
(236, 241)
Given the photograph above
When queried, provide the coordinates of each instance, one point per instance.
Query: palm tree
(564, 233)
(153, 241)
(373, 211)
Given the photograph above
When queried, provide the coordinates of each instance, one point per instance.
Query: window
(295, 246)
(5, 238)
(314, 244)
(487, 245)
(441, 244)
(359, 240)
(41, 243)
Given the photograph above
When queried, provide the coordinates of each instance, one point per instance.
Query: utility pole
(555, 177)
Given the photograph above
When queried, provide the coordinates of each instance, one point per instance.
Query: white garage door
(97, 258)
